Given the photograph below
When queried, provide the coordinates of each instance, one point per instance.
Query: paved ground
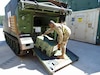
(88, 64)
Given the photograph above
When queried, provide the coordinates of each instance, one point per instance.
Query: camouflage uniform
(63, 33)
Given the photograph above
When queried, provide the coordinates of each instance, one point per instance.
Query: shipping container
(85, 25)
(77, 5)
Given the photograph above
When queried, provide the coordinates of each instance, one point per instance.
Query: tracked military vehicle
(26, 19)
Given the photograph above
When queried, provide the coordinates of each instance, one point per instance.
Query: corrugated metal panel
(83, 4)
(93, 4)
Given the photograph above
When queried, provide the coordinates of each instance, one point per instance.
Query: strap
(63, 29)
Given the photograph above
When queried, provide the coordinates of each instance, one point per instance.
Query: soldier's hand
(42, 35)
(58, 46)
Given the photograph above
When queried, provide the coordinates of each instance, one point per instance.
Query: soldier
(63, 35)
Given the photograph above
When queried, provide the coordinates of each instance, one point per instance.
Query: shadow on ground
(9, 60)
(88, 54)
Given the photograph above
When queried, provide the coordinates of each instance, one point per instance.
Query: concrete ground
(88, 63)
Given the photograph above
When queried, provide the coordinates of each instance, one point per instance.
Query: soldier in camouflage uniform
(63, 35)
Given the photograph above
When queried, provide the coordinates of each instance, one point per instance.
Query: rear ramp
(53, 64)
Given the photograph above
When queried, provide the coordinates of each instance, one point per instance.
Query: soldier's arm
(48, 31)
(60, 36)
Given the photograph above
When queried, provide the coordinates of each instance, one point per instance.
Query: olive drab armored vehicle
(26, 20)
